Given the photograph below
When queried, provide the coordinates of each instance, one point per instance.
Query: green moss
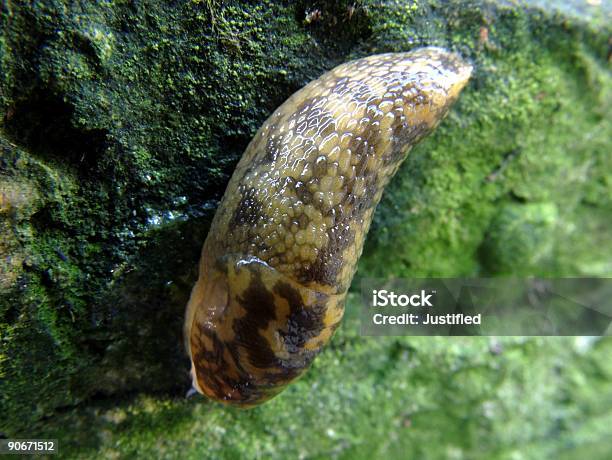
(519, 238)
(531, 130)
(381, 398)
(122, 123)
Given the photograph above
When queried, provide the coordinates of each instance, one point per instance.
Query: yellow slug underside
(286, 238)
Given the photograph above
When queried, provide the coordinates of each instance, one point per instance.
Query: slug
(284, 243)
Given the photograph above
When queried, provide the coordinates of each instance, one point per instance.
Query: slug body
(285, 240)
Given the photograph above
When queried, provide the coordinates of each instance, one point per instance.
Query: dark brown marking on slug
(406, 136)
(284, 244)
(302, 323)
(248, 210)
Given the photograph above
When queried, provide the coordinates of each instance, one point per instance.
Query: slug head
(252, 330)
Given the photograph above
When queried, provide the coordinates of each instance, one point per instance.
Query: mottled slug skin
(285, 241)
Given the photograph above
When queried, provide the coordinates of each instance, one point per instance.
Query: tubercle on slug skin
(286, 238)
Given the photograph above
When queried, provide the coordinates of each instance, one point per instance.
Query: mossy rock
(121, 124)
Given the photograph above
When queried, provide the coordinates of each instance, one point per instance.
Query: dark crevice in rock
(42, 124)
(337, 25)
